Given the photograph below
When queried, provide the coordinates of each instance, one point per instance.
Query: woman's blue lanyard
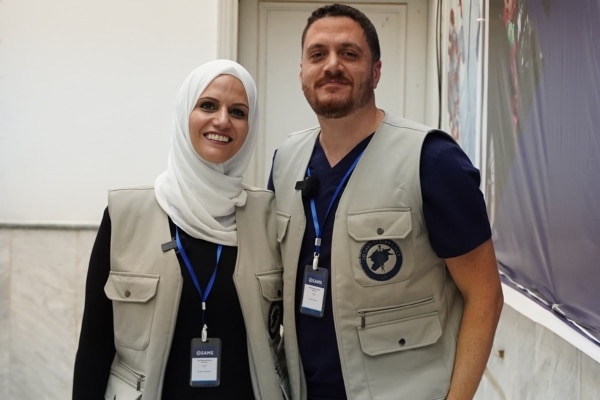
(188, 264)
(313, 209)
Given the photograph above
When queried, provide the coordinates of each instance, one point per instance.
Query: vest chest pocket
(271, 289)
(133, 297)
(381, 246)
(271, 285)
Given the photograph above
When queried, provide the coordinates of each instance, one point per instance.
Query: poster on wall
(542, 153)
(462, 80)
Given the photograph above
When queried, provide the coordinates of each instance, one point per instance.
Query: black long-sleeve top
(223, 317)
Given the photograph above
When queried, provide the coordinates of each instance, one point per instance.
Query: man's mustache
(337, 77)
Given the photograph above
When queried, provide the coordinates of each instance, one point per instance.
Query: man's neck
(340, 135)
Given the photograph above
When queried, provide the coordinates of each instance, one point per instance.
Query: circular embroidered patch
(381, 259)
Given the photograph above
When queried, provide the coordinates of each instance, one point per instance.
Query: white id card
(205, 363)
(314, 291)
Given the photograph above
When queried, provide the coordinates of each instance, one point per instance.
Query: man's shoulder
(394, 121)
(303, 134)
(294, 139)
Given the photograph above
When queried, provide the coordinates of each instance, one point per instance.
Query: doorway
(269, 47)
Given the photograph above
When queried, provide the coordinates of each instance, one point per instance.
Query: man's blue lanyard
(188, 264)
(313, 209)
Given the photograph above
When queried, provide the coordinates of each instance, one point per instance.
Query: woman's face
(219, 121)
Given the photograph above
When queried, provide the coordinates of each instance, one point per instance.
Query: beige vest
(145, 286)
(396, 309)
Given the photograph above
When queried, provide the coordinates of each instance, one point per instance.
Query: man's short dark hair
(342, 10)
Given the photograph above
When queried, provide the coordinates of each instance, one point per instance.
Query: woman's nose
(222, 117)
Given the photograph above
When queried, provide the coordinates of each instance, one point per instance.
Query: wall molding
(49, 226)
(227, 35)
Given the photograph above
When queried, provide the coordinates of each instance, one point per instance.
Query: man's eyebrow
(351, 44)
(344, 45)
(315, 46)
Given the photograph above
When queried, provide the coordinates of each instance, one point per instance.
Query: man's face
(336, 72)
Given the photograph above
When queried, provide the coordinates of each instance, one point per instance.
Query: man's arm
(476, 276)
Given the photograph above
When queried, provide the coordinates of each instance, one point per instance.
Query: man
(391, 289)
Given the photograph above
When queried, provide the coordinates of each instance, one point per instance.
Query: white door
(269, 46)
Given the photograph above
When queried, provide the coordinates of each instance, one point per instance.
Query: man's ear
(376, 73)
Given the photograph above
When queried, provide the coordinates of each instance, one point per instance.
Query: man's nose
(332, 63)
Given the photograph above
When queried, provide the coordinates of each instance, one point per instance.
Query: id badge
(314, 291)
(205, 363)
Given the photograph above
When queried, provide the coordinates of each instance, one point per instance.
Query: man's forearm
(475, 340)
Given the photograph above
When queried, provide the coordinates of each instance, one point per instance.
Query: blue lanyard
(188, 264)
(313, 209)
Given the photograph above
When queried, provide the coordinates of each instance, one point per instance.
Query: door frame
(246, 21)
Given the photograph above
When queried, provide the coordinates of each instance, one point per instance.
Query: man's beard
(339, 108)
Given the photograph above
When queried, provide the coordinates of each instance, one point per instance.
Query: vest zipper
(387, 310)
(362, 319)
(138, 377)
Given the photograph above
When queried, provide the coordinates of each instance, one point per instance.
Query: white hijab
(200, 196)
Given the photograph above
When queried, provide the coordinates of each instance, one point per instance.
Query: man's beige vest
(145, 287)
(396, 310)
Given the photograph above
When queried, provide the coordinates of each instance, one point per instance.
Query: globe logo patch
(381, 259)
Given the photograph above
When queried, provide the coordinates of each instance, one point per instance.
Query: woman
(183, 294)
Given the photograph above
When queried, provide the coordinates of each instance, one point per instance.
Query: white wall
(86, 101)
(86, 98)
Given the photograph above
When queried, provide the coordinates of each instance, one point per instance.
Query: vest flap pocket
(379, 224)
(130, 287)
(400, 335)
(271, 284)
(283, 221)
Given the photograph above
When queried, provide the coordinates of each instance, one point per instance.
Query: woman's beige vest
(396, 310)
(145, 286)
